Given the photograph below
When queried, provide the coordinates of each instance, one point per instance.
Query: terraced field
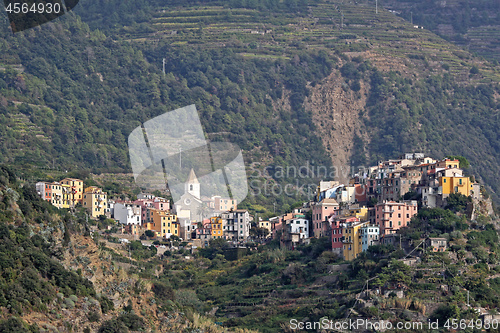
(485, 41)
(331, 25)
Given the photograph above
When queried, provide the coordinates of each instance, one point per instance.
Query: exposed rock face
(336, 113)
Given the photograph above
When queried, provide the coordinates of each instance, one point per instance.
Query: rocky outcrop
(336, 113)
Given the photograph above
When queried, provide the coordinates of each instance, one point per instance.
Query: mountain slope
(265, 75)
(474, 25)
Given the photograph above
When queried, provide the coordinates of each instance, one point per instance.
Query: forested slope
(72, 90)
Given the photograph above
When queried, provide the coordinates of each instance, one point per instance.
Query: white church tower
(192, 185)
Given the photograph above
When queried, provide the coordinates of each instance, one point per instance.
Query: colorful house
(336, 225)
(57, 195)
(369, 236)
(392, 216)
(447, 163)
(95, 200)
(450, 185)
(216, 227)
(164, 223)
(352, 239)
(76, 188)
(266, 225)
(320, 213)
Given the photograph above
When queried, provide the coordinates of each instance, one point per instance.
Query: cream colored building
(95, 200)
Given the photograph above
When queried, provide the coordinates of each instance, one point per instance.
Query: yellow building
(461, 185)
(163, 223)
(76, 186)
(216, 226)
(359, 212)
(352, 239)
(266, 225)
(95, 200)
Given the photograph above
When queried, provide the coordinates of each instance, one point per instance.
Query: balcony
(388, 211)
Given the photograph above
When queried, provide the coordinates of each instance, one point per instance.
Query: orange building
(216, 226)
(451, 185)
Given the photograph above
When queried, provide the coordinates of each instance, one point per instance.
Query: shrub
(93, 316)
(163, 292)
(106, 304)
(69, 303)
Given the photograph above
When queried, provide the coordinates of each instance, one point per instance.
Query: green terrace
(263, 33)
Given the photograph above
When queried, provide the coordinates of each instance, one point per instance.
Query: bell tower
(192, 185)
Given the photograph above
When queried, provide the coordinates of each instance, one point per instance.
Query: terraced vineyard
(485, 41)
(473, 25)
(331, 25)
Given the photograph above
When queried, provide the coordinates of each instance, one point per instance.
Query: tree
(457, 202)
(474, 70)
(464, 163)
(259, 232)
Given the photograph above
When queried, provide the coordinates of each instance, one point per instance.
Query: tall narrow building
(192, 185)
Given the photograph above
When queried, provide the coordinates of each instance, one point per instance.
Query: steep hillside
(55, 277)
(276, 77)
(474, 25)
(336, 112)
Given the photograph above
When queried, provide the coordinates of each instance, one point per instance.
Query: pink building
(390, 216)
(320, 213)
(156, 203)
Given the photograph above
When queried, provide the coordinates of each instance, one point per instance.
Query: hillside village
(370, 210)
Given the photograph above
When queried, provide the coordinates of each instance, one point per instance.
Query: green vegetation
(438, 116)
(122, 324)
(76, 110)
(472, 24)
(262, 290)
